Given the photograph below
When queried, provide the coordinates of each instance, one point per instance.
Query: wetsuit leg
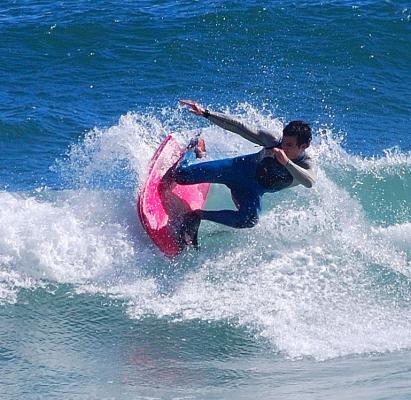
(249, 208)
(238, 174)
(188, 172)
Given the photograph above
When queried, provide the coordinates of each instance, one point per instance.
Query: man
(281, 164)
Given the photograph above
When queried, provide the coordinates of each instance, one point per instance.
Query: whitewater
(312, 303)
(323, 275)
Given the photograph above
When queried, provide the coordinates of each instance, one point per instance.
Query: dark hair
(300, 129)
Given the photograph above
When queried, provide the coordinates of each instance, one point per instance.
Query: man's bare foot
(200, 148)
(198, 145)
(189, 228)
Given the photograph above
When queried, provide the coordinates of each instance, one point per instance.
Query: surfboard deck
(163, 204)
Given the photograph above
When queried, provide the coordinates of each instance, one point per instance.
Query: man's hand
(280, 156)
(195, 108)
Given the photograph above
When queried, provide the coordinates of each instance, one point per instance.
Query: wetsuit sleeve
(304, 174)
(261, 137)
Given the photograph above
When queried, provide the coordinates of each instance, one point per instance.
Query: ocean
(312, 303)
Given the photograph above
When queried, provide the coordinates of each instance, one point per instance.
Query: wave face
(326, 273)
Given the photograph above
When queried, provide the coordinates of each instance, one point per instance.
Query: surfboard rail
(162, 203)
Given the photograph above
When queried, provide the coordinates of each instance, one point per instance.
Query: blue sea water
(313, 303)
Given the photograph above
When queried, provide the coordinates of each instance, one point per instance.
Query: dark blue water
(312, 303)
(69, 66)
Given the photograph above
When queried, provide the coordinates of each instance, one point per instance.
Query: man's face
(291, 148)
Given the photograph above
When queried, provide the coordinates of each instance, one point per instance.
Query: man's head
(296, 138)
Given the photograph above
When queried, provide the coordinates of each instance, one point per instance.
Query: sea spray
(310, 278)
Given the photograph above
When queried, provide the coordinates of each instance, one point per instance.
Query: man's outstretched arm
(261, 137)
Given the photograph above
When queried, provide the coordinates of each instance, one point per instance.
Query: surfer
(281, 164)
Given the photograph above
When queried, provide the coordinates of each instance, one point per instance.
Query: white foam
(300, 280)
(329, 149)
(398, 235)
(306, 278)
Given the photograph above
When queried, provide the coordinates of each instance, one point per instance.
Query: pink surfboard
(162, 203)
